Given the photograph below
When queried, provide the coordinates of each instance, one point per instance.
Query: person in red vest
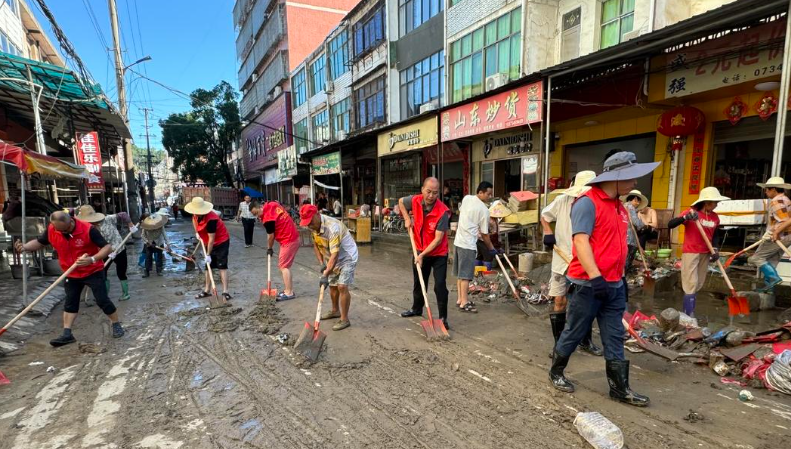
(599, 224)
(430, 221)
(215, 238)
(279, 226)
(77, 243)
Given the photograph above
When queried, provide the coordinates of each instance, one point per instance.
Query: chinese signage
(327, 164)
(697, 162)
(512, 108)
(266, 135)
(287, 162)
(742, 57)
(90, 156)
(413, 136)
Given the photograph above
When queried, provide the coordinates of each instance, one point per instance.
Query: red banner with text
(90, 156)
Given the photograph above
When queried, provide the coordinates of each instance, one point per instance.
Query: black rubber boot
(588, 346)
(556, 375)
(618, 378)
(558, 321)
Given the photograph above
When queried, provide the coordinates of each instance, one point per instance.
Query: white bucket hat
(776, 182)
(579, 185)
(637, 193)
(710, 194)
(623, 166)
(198, 206)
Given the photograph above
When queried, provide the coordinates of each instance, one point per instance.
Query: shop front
(401, 152)
(263, 138)
(326, 180)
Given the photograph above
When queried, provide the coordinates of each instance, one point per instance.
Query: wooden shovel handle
(318, 310)
(785, 248)
(562, 255)
(639, 247)
(208, 268)
(734, 256)
(120, 246)
(711, 250)
(420, 274)
(507, 278)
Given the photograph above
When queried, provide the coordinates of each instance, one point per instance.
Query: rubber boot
(618, 378)
(588, 346)
(689, 304)
(124, 291)
(556, 375)
(558, 321)
(771, 278)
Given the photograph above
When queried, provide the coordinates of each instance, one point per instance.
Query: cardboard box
(522, 200)
(527, 217)
(742, 212)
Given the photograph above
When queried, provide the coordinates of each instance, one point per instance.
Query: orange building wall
(308, 22)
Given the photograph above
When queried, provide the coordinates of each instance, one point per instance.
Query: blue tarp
(252, 192)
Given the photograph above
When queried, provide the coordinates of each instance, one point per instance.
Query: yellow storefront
(400, 150)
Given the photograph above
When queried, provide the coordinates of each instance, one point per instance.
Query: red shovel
(311, 338)
(737, 305)
(268, 291)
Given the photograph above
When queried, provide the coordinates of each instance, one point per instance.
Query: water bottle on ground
(599, 431)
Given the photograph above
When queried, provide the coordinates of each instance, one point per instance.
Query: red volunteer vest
(426, 226)
(70, 249)
(219, 237)
(608, 239)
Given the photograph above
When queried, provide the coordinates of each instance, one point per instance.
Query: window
(11, 5)
(570, 37)
(454, 2)
(421, 83)
(340, 118)
(491, 49)
(317, 76)
(7, 46)
(369, 103)
(339, 55)
(487, 172)
(413, 13)
(617, 19)
(369, 32)
(301, 139)
(298, 85)
(321, 128)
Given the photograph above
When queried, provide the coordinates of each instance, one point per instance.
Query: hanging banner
(90, 156)
(697, 161)
(287, 162)
(327, 164)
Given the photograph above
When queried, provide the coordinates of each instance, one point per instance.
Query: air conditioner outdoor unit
(495, 81)
(426, 107)
(329, 86)
(277, 91)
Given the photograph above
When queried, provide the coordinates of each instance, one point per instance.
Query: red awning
(31, 162)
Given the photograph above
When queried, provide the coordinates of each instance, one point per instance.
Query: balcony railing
(258, 93)
(251, 54)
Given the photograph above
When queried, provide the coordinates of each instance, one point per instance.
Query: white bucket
(526, 262)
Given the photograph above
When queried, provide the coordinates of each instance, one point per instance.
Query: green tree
(201, 140)
(140, 157)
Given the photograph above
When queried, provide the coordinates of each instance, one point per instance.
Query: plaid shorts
(343, 275)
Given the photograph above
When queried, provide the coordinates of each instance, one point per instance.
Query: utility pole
(148, 159)
(130, 186)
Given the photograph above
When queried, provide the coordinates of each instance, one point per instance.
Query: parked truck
(225, 199)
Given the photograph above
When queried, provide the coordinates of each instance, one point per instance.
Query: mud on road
(188, 377)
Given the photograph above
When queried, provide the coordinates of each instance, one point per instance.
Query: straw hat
(637, 193)
(164, 211)
(154, 221)
(776, 182)
(710, 194)
(198, 206)
(499, 210)
(87, 214)
(579, 185)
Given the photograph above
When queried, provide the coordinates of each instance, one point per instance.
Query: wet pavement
(188, 377)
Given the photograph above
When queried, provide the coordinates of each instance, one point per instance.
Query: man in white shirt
(473, 222)
(248, 220)
(337, 208)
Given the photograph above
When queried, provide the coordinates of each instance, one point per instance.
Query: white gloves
(208, 260)
(767, 236)
(112, 255)
(134, 229)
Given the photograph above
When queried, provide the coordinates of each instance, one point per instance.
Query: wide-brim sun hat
(710, 194)
(643, 199)
(580, 183)
(198, 206)
(154, 221)
(776, 182)
(623, 166)
(89, 215)
(164, 211)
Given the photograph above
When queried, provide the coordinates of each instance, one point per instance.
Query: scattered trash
(778, 376)
(687, 321)
(91, 348)
(51, 369)
(669, 319)
(282, 338)
(721, 368)
(455, 366)
(35, 363)
(4, 380)
(745, 396)
(599, 431)
(693, 417)
(727, 381)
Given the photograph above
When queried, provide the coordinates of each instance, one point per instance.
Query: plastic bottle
(599, 431)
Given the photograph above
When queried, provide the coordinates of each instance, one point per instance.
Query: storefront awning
(31, 162)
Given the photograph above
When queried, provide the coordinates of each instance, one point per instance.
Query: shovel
(507, 278)
(737, 305)
(516, 273)
(653, 348)
(649, 284)
(311, 338)
(216, 302)
(119, 248)
(734, 256)
(268, 291)
(435, 329)
(174, 254)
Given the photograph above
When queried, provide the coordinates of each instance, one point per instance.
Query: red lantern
(680, 121)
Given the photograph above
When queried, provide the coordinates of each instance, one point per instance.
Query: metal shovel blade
(653, 348)
(435, 330)
(310, 342)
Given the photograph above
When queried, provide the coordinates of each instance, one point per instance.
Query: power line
(172, 89)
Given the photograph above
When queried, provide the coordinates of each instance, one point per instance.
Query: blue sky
(191, 43)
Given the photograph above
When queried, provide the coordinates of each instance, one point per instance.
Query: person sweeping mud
(336, 252)
(695, 254)
(215, 238)
(431, 222)
(559, 240)
(77, 242)
(768, 254)
(473, 222)
(154, 238)
(634, 202)
(598, 226)
(107, 226)
(281, 228)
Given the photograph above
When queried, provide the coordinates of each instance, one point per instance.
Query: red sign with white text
(509, 109)
(90, 156)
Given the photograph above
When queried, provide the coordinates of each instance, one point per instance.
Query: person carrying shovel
(215, 238)
(768, 254)
(80, 244)
(281, 228)
(695, 254)
(559, 242)
(154, 238)
(598, 225)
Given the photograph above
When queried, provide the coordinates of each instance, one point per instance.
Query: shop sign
(515, 144)
(327, 164)
(509, 109)
(409, 137)
(270, 176)
(267, 134)
(530, 165)
(287, 162)
(736, 58)
(90, 155)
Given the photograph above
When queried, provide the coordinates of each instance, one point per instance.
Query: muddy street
(188, 377)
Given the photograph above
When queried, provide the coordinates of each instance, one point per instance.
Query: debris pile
(490, 285)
